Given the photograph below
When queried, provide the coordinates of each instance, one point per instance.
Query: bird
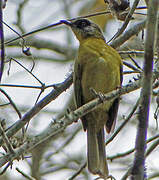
(97, 67)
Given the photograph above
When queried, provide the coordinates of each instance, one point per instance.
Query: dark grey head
(84, 28)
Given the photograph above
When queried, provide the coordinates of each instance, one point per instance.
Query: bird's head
(83, 29)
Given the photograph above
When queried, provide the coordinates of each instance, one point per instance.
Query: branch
(1, 41)
(128, 18)
(55, 24)
(25, 175)
(6, 140)
(78, 172)
(124, 123)
(64, 50)
(41, 104)
(128, 34)
(154, 175)
(11, 102)
(47, 44)
(152, 147)
(58, 125)
(143, 115)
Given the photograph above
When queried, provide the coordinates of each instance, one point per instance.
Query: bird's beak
(68, 23)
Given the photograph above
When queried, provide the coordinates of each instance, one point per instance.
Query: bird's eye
(82, 23)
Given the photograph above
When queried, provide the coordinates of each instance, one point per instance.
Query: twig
(127, 34)
(143, 115)
(128, 18)
(5, 169)
(6, 140)
(1, 41)
(131, 72)
(19, 15)
(135, 63)
(154, 175)
(24, 174)
(119, 155)
(14, 31)
(5, 104)
(28, 86)
(135, 29)
(64, 144)
(123, 124)
(78, 172)
(152, 147)
(28, 71)
(130, 169)
(56, 24)
(131, 66)
(12, 103)
(59, 125)
(42, 90)
(131, 52)
(45, 101)
(24, 86)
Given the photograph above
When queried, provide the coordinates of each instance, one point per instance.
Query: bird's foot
(97, 95)
(110, 177)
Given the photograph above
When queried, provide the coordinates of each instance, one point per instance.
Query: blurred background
(53, 52)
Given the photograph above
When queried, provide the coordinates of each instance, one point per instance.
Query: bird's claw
(97, 95)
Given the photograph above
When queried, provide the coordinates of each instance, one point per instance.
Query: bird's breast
(100, 74)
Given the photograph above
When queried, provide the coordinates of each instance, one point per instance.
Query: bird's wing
(77, 85)
(112, 113)
(78, 90)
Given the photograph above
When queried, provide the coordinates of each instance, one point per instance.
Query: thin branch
(19, 15)
(24, 174)
(5, 104)
(78, 172)
(23, 86)
(128, 34)
(131, 52)
(12, 103)
(41, 104)
(135, 63)
(154, 175)
(123, 124)
(5, 169)
(64, 50)
(59, 125)
(143, 115)
(69, 52)
(14, 31)
(6, 140)
(67, 141)
(119, 155)
(2, 54)
(54, 25)
(28, 71)
(131, 66)
(128, 18)
(130, 169)
(152, 147)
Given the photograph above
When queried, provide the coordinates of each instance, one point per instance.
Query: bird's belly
(101, 76)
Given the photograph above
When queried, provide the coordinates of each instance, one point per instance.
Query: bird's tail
(97, 163)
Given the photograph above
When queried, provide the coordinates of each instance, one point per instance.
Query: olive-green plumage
(98, 67)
